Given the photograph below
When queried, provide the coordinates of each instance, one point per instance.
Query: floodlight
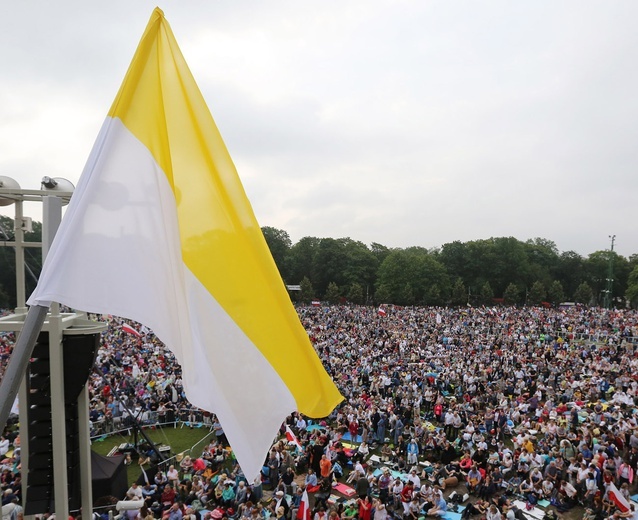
(8, 183)
(57, 184)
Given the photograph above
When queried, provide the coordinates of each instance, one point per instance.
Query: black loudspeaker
(79, 353)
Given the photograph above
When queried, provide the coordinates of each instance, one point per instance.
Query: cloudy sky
(400, 122)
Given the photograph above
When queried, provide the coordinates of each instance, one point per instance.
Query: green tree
(454, 256)
(302, 255)
(542, 257)
(556, 294)
(631, 294)
(597, 271)
(487, 294)
(500, 261)
(570, 271)
(361, 263)
(536, 294)
(379, 251)
(329, 264)
(433, 295)
(307, 292)
(32, 259)
(279, 244)
(584, 294)
(7, 264)
(333, 294)
(406, 296)
(459, 293)
(512, 294)
(415, 266)
(355, 294)
(382, 294)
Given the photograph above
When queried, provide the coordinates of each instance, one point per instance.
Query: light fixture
(57, 184)
(49, 183)
(8, 183)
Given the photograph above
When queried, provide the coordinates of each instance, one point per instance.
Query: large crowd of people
(509, 405)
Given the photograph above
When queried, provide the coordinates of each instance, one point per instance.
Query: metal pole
(51, 218)
(58, 426)
(607, 302)
(21, 307)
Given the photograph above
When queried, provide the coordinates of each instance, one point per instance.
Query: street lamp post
(53, 194)
(610, 276)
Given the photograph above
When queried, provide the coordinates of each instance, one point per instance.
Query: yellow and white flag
(160, 230)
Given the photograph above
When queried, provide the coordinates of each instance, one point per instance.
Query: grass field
(183, 439)
(180, 439)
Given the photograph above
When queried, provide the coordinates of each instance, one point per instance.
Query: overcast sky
(398, 122)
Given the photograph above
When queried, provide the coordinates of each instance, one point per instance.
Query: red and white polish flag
(303, 513)
(617, 498)
(290, 435)
(130, 330)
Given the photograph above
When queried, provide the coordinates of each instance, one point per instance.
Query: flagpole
(19, 360)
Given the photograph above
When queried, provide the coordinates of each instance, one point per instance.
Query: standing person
(316, 453)
(591, 488)
(398, 430)
(280, 501)
(4, 446)
(325, 466)
(219, 433)
(457, 424)
(273, 469)
(288, 478)
(449, 424)
(381, 427)
(380, 511)
(625, 473)
(397, 488)
(406, 496)
(362, 486)
(413, 452)
(365, 508)
(384, 482)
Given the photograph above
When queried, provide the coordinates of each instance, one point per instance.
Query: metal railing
(110, 425)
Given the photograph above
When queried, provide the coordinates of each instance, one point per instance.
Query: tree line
(478, 272)
(33, 261)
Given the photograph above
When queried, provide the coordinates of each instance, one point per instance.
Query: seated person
(350, 511)
(466, 462)
(362, 452)
(440, 505)
(479, 507)
(386, 452)
(473, 479)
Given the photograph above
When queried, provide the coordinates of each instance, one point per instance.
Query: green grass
(179, 439)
